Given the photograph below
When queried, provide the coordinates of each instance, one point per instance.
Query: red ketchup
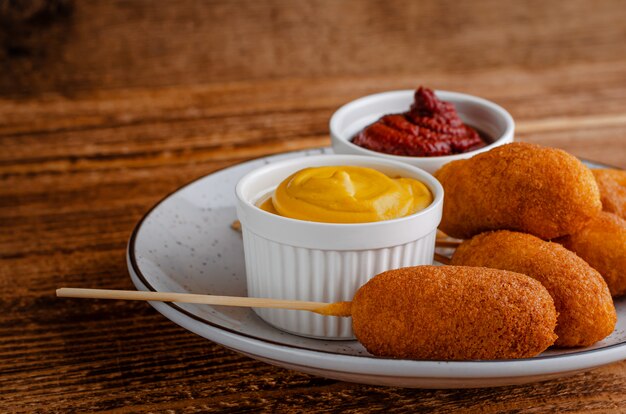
(430, 128)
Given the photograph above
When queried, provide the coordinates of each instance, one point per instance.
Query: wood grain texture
(106, 107)
(81, 44)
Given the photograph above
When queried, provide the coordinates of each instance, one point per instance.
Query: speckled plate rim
(301, 358)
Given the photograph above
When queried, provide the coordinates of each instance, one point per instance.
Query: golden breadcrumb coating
(581, 297)
(525, 187)
(453, 313)
(612, 184)
(602, 244)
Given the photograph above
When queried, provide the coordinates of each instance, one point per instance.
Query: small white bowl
(326, 262)
(478, 113)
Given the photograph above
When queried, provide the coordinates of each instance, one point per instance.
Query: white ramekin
(479, 113)
(326, 262)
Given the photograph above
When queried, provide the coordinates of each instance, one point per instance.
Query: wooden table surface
(107, 106)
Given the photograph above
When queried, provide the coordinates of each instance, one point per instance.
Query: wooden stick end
(343, 309)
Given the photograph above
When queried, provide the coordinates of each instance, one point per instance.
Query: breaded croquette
(524, 187)
(612, 184)
(453, 313)
(602, 244)
(582, 298)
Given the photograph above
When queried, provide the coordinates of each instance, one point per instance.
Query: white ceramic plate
(185, 244)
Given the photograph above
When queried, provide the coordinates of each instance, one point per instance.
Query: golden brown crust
(612, 184)
(581, 297)
(453, 313)
(602, 244)
(525, 187)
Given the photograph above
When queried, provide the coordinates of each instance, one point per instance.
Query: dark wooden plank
(111, 44)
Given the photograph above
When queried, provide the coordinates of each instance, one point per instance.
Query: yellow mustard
(346, 194)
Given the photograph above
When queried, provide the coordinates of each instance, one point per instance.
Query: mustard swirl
(347, 194)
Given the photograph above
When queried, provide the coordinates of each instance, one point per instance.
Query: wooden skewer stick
(328, 309)
(236, 225)
(447, 243)
(442, 259)
(322, 308)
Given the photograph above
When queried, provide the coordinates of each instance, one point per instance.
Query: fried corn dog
(582, 298)
(453, 313)
(612, 184)
(525, 187)
(602, 244)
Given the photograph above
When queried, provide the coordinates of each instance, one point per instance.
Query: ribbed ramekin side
(281, 271)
